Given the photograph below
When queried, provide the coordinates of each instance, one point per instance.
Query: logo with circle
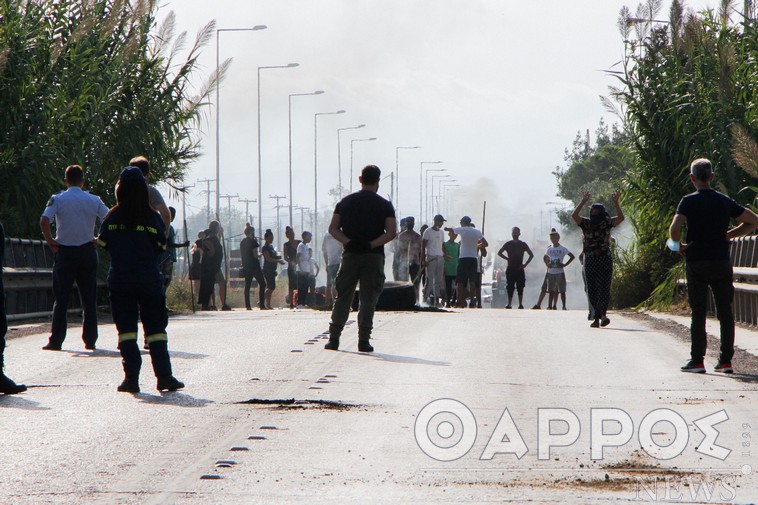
(445, 429)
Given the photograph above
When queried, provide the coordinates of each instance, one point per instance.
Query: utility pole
(278, 206)
(229, 240)
(208, 192)
(247, 203)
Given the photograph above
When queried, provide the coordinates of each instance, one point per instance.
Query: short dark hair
(701, 169)
(74, 174)
(142, 163)
(370, 175)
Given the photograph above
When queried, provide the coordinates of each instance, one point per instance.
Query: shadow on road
(174, 399)
(19, 402)
(392, 358)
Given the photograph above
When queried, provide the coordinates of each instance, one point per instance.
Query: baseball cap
(465, 220)
(439, 217)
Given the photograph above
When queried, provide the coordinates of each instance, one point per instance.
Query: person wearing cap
(707, 214)
(7, 386)
(433, 256)
(472, 241)
(75, 213)
(515, 275)
(363, 222)
(134, 236)
(598, 261)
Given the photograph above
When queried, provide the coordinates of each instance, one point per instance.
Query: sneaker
(520, 306)
(725, 367)
(595, 324)
(508, 307)
(128, 386)
(536, 307)
(332, 345)
(694, 367)
(364, 346)
(605, 322)
(169, 383)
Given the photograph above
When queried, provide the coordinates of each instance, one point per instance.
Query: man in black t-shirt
(514, 273)
(363, 222)
(707, 214)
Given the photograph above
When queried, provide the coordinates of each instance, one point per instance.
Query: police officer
(7, 386)
(363, 221)
(75, 212)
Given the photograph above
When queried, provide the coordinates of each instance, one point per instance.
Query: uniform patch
(50, 202)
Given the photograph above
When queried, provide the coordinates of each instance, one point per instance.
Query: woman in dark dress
(251, 267)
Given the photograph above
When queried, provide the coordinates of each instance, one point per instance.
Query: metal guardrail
(28, 280)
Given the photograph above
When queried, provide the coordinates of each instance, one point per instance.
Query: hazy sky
(496, 89)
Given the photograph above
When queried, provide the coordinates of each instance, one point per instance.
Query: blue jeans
(75, 264)
(368, 269)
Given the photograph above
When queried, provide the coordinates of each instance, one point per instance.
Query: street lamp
(339, 156)
(351, 157)
(426, 186)
(218, 105)
(397, 175)
(315, 174)
(260, 178)
(421, 186)
(289, 126)
(431, 200)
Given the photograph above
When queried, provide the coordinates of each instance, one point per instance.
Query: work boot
(169, 383)
(129, 385)
(333, 344)
(8, 387)
(364, 346)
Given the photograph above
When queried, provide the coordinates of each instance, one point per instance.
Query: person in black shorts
(707, 214)
(515, 276)
(271, 261)
(363, 222)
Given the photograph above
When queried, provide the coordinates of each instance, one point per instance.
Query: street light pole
(316, 231)
(351, 157)
(397, 176)
(260, 178)
(339, 156)
(289, 123)
(426, 188)
(218, 104)
(421, 187)
(431, 200)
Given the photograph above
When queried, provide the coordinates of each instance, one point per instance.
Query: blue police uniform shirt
(75, 212)
(134, 252)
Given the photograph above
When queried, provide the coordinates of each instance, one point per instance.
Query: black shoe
(169, 383)
(595, 324)
(364, 346)
(226, 308)
(694, 367)
(332, 345)
(90, 347)
(129, 386)
(51, 347)
(508, 307)
(8, 387)
(605, 322)
(520, 306)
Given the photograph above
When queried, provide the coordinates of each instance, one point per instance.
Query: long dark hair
(133, 207)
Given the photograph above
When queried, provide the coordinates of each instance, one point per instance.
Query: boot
(9, 387)
(333, 344)
(364, 345)
(162, 367)
(132, 362)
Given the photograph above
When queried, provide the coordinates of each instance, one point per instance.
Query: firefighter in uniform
(75, 212)
(134, 236)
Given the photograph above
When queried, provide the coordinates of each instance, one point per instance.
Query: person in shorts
(556, 278)
(471, 241)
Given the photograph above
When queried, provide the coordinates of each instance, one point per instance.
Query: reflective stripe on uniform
(156, 337)
(123, 337)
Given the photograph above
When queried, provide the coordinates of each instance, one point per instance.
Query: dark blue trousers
(75, 264)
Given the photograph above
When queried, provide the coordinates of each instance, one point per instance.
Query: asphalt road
(452, 407)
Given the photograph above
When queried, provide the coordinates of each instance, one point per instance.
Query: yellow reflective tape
(101, 243)
(156, 337)
(123, 337)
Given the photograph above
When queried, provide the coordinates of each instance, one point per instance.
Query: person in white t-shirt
(556, 278)
(471, 241)
(303, 270)
(332, 251)
(434, 259)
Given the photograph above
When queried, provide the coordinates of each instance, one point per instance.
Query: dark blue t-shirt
(708, 213)
(363, 215)
(134, 252)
